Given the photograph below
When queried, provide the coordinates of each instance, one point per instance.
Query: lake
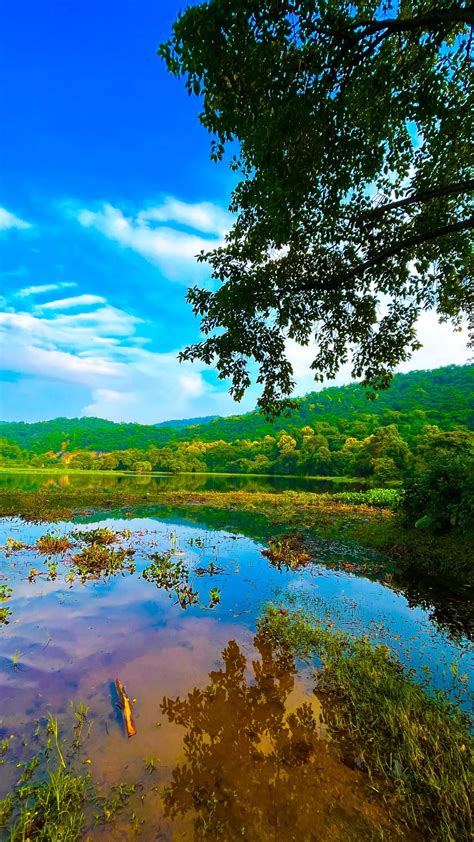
(215, 708)
(31, 481)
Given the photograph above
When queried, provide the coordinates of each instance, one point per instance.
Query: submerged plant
(117, 799)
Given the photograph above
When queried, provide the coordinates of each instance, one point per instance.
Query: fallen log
(126, 708)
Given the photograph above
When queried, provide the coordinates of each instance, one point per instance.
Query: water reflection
(29, 481)
(256, 764)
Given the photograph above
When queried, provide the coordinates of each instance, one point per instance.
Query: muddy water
(234, 733)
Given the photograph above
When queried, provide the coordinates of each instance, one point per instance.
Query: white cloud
(442, 345)
(9, 220)
(202, 216)
(76, 301)
(99, 350)
(40, 288)
(170, 248)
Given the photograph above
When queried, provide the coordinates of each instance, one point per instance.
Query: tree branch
(416, 240)
(429, 20)
(425, 196)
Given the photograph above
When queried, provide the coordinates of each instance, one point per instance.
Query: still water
(31, 481)
(232, 731)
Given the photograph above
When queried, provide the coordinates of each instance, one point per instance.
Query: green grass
(418, 742)
(383, 498)
(49, 809)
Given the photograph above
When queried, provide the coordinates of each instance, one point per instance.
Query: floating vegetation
(421, 743)
(214, 597)
(96, 561)
(5, 612)
(166, 572)
(103, 536)
(211, 570)
(287, 553)
(172, 574)
(5, 593)
(53, 544)
(13, 546)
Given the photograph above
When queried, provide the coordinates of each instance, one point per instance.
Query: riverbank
(445, 558)
(386, 723)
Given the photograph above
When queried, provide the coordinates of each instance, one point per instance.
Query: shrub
(441, 496)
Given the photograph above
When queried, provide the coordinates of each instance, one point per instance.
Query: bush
(441, 496)
(380, 498)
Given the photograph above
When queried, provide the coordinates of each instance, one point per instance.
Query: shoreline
(413, 551)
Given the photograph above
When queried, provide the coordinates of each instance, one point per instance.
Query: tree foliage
(353, 213)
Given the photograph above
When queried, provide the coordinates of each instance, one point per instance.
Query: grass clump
(287, 552)
(102, 536)
(420, 742)
(49, 809)
(96, 561)
(53, 544)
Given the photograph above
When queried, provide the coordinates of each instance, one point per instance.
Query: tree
(142, 467)
(353, 214)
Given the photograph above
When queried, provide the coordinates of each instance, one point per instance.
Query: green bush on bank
(380, 498)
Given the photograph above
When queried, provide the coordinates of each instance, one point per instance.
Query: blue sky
(106, 194)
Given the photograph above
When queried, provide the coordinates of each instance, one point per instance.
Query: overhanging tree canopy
(354, 213)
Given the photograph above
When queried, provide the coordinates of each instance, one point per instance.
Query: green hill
(441, 397)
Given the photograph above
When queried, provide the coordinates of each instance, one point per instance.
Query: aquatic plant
(166, 572)
(417, 740)
(102, 535)
(114, 802)
(13, 546)
(96, 561)
(53, 544)
(287, 552)
(214, 597)
(5, 593)
(172, 574)
(50, 809)
(5, 613)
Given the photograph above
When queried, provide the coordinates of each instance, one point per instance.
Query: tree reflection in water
(256, 770)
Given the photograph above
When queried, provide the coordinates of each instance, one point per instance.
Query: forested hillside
(442, 397)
